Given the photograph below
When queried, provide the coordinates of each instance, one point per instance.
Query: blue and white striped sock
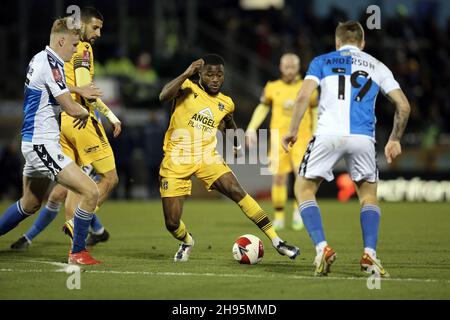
(45, 217)
(12, 217)
(310, 212)
(81, 221)
(370, 222)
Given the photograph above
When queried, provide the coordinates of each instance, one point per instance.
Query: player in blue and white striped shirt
(350, 81)
(46, 93)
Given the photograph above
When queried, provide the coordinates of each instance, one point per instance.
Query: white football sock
(320, 246)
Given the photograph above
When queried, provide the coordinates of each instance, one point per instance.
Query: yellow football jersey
(84, 57)
(195, 118)
(281, 96)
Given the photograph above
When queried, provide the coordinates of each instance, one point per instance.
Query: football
(248, 249)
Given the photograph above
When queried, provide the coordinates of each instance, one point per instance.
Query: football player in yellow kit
(88, 146)
(280, 96)
(189, 149)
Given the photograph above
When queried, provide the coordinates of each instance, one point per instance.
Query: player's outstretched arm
(260, 113)
(300, 105)
(89, 91)
(393, 148)
(171, 89)
(73, 109)
(115, 122)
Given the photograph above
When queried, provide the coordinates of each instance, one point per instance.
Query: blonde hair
(61, 25)
(350, 32)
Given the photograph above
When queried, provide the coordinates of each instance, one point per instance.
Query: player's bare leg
(370, 221)
(229, 186)
(173, 209)
(34, 190)
(312, 219)
(279, 199)
(107, 183)
(77, 181)
(70, 204)
(45, 217)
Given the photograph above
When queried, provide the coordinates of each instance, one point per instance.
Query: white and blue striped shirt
(350, 80)
(44, 82)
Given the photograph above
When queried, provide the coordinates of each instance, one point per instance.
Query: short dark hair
(87, 13)
(350, 32)
(213, 59)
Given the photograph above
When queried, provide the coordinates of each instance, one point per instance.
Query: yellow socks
(254, 212)
(182, 234)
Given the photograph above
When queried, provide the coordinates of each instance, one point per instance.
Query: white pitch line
(209, 274)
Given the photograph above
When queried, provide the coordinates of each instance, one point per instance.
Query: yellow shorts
(282, 162)
(88, 145)
(175, 178)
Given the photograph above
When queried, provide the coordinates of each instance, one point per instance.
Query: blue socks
(370, 221)
(12, 217)
(46, 216)
(312, 220)
(81, 221)
(96, 225)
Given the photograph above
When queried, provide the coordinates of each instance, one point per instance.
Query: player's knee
(58, 195)
(236, 192)
(90, 193)
(172, 224)
(368, 200)
(30, 206)
(305, 193)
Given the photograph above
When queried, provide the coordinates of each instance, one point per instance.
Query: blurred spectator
(11, 171)
(144, 69)
(123, 147)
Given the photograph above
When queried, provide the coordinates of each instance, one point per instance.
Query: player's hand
(251, 138)
(117, 128)
(194, 67)
(392, 150)
(80, 123)
(90, 91)
(288, 140)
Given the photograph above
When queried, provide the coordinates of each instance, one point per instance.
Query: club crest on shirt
(221, 106)
(57, 75)
(86, 61)
(56, 72)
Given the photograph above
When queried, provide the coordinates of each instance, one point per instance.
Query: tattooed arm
(393, 147)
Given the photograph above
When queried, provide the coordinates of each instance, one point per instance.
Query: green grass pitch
(138, 260)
